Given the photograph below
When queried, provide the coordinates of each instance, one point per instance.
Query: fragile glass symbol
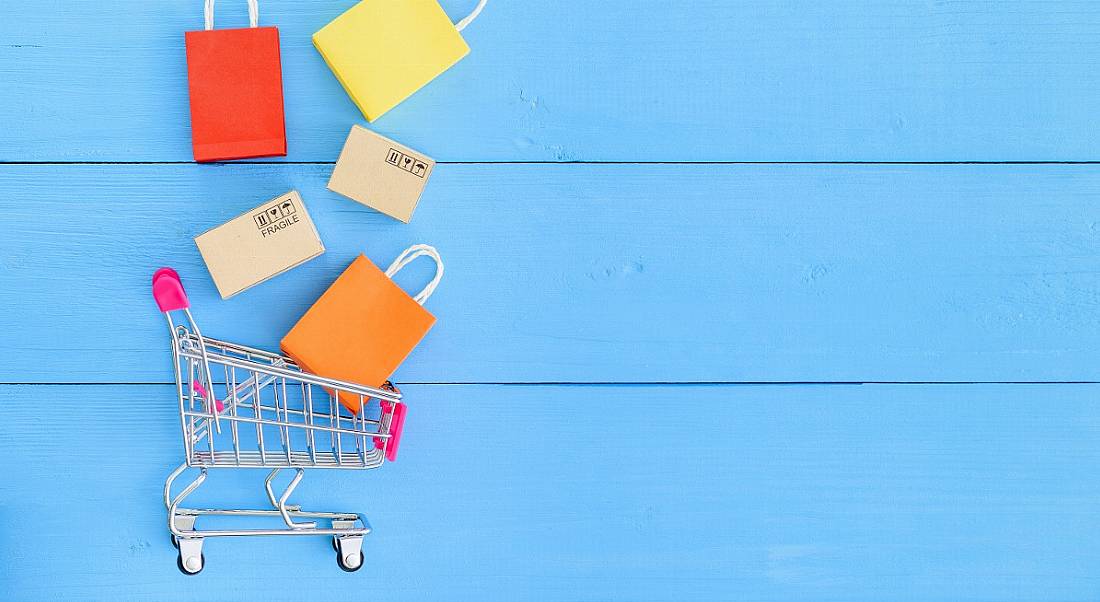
(274, 214)
(405, 162)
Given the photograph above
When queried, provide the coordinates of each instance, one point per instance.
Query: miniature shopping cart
(245, 408)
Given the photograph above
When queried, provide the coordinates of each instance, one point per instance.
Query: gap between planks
(975, 162)
(624, 383)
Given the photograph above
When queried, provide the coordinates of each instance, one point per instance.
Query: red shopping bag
(235, 79)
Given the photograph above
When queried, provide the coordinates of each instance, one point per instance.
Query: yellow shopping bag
(384, 50)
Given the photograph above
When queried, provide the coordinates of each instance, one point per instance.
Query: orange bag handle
(406, 257)
(253, 13)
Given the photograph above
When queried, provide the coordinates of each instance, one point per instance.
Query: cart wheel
(340, 560)
(187, 570)
(175, 542)
(335, 546)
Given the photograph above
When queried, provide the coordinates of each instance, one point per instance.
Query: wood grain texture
(622, 80)
(593, 492)
(586, 273)
(582, 273)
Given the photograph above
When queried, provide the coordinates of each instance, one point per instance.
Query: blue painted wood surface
(598, 273)
(621, 80)
(910, 492)
(649, 278)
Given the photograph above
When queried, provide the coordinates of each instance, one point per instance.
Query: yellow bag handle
(470, 17)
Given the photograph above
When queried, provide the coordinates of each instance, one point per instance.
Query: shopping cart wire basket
(241, 407)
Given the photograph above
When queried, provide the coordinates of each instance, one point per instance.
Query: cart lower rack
(241, 407)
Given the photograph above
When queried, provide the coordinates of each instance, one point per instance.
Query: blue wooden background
(744, 300)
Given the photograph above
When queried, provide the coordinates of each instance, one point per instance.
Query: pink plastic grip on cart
(201, 390)
(168, 290)
(397, 425)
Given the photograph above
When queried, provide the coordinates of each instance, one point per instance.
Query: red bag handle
(253, 13)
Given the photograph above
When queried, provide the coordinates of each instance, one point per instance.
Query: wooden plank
(616, 80)
(579, 493)
(589, 273)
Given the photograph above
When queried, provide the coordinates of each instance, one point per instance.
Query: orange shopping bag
(364, 325)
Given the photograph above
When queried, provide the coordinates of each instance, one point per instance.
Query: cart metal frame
(272, 415)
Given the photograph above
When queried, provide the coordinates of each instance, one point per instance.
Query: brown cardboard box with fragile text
(259, 244)
(381, 174)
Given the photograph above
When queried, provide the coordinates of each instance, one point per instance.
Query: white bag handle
(253, 13)
(412, 253)
(470, 17)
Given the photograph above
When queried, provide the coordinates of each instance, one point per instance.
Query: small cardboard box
(384, 50)
(381, 174)
(259, 244)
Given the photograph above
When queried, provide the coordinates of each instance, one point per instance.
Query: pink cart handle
(201, 390)
(168, 290)
(397, 425)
